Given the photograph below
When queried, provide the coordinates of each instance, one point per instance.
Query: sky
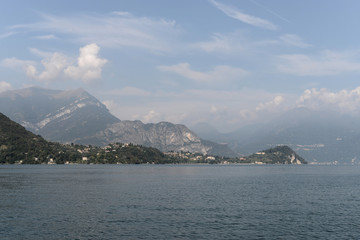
(228, 63)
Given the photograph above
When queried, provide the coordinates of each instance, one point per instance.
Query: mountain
(78, 117)
(276, 155)
(56, 115)
(17, 145)
(318, 136)
(165, 136)
(205, 131)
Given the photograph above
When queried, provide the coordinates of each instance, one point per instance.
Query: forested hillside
(17, 145)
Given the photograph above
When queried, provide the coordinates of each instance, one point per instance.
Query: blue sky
(226, 62)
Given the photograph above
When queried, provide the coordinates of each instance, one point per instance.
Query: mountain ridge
(318, 136)
(76, 116)
(20, 146)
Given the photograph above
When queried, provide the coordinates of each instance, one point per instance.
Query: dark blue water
(179, 202)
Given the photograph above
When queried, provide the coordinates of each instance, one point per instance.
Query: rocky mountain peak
(77, 116)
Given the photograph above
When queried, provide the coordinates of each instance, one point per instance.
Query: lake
(179, 202)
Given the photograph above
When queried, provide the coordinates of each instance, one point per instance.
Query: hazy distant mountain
(76, 116)
(205, 130)
(321, 136)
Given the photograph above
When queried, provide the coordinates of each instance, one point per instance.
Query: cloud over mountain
(89, 65)
(344, 100)
(55, 66)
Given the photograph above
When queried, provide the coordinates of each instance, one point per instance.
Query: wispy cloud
(245, 18)
(270, 11)
(40, 53)
(325, 64)
(117, 29)
(6, 35)
(218, 74)
(240, 42)
(284, 40)
(46, 37)
(223, 43)
(293, 40)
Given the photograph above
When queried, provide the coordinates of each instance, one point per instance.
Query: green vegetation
(17, 145)
(277, 155)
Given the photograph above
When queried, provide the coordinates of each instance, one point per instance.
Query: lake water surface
(179, 202)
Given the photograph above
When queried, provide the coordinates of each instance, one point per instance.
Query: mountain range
(318, 136)
(75, 116)
(20, 146)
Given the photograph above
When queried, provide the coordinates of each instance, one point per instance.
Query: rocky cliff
(164, 136)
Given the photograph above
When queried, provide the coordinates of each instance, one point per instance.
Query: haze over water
(179, 201)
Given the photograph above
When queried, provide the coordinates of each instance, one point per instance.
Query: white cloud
(228, 110)
(344, 100)
(117, 29)
(237, 14)
(27, 66)
(15, 63)
(5, 86)
(218, 74)
(271, 105)
(326, 64)
(57, 65)
(53, 67)
(89, 65)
